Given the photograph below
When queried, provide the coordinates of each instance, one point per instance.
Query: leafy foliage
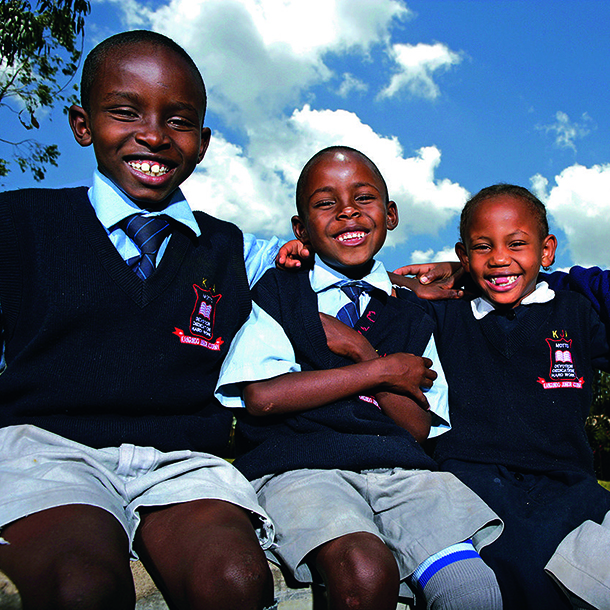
(598, 425)
(40, 48)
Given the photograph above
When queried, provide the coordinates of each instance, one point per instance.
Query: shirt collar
(322, 277)
(112, 205)
(542, 294)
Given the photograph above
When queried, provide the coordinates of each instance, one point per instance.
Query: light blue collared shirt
(261, 349)
(111, 205)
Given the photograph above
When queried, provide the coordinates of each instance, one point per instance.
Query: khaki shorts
(41, 470)
(416, 513)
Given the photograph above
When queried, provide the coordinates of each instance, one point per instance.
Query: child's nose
(152, 134)
(499, 256)
(347, 209)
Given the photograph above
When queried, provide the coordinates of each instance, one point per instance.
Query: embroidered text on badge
(562, 372)
(202, 321)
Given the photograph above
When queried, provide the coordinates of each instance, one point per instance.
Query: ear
(299, 230)
(549, 246)
(80, 125)
(460, 250)
(392, 217)
(206, 133)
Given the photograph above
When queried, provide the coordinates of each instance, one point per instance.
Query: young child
(519, 362)
(333, 447)
(108, 421)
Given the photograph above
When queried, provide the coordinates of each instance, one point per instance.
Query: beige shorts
(415, 512)
(41, 470)
(580, 564)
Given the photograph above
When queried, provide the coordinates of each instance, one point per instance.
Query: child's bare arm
(293, 392)
(406, 413)
(345, 341)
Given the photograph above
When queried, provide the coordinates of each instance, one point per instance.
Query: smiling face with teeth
(145, 122)
(504, 249)
(344, 211)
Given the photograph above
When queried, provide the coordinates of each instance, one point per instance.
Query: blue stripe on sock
(442, 562)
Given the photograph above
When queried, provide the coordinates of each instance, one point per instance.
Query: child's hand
(345, 341)
(292, 255)
(434, 281)
(407, 374)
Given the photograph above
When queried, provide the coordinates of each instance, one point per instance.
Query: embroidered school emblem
(201, 329)
(562, 372)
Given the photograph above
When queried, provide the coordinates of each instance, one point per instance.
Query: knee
(91, 587)
(362, 576)
(248, 576)
(369, 578)
(237, 580)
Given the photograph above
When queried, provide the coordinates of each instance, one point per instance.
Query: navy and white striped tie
(147, 233)
(350, 313)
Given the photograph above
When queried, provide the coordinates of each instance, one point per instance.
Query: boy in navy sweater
(111, 352)
(332, 446)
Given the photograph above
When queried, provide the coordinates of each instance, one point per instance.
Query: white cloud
(351, 84)
(428, 256)
(580, 206)
(566, 131)
(232, 186)
(416, 67)
(260, 56)
(260, 60)
(255, 188)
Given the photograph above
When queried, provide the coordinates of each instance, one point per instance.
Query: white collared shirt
(542, 294)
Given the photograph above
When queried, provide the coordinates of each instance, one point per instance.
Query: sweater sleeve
(592, 282)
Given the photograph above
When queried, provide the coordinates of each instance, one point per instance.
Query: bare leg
(73, 556)
(205, 554)
(360, 572)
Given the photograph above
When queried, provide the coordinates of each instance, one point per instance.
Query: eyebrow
(513, 234)
(328, 189)
(137, 98)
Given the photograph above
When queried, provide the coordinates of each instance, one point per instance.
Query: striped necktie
(350, 313)
(147, 233)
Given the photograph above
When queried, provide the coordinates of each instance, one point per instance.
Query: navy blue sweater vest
(351, 434)
(99, 356)
(520, 389)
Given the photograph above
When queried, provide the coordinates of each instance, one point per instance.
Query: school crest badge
(562, 373)
(201, 327)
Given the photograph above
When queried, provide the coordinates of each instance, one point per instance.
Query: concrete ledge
(291, 596)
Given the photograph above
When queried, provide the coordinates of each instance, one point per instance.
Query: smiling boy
(330, 440)
(113, 342)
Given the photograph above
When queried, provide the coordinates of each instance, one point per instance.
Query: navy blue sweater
(99, 356)
(350, 434)
(520, 387)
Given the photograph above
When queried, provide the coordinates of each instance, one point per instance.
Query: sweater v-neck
(142, 292)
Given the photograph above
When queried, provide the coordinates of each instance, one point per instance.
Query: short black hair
(120, 41)
(536, 206)
(326, 151)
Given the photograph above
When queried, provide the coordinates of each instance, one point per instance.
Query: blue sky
(446, 96)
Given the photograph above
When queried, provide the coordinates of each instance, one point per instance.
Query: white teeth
(352, 235)
(151, 170)
(503, 281)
